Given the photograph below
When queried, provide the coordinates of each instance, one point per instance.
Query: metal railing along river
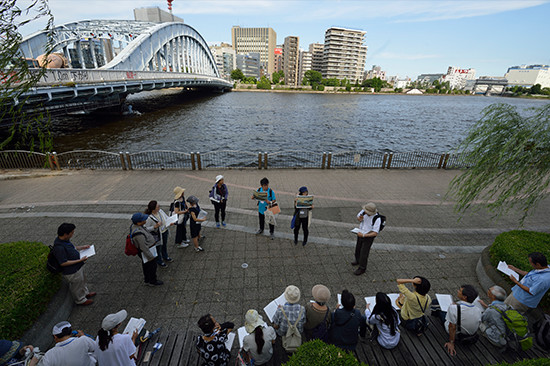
(228, 159)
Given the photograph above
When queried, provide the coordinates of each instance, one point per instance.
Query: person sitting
(385, 319)
(291, 312)
(318, 316)
(347, 323)
(13, 352)
(470, 317)
(260, 339)
(69, 350)
(115, 348)
(211, 345)
(414, 304)
(492, 325)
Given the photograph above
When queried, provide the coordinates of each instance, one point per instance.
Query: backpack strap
(458, 323)
(419, 304)
(297, 320)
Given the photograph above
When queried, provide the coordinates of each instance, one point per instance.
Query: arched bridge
(108, 59)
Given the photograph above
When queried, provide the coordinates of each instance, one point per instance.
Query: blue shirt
(262, 205)
(538, 281)
(65, 251)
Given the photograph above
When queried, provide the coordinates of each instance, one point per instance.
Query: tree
(264, 83)
(375, 83)
(25, 131)
(312, 77)
(509, 161)
(277, 76)
(237, 74)
(535, 89)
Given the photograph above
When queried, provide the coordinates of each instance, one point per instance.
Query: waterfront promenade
(423, 237)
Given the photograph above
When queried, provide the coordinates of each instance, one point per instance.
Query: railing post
(193, 167)
(440, 161)
(323, 160)
(265, 160)
(446, 160)
(49, 159)
(129, 161)
(199, 165)
(384, 160)
(122, 162)
(259, 160)
(389, 161)
(56, 161)
(329, 159)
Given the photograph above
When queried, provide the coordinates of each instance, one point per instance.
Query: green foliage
(331, 82)
(398, 90)
(375, 83)
(318, 353)
(320, 87)
(527, 362)
(26, 286)
(513, 247)
(312, 77)
(509, 161)
(264, 83)
(348, 87)
(277, 76)
(237, 74)
(535, 89)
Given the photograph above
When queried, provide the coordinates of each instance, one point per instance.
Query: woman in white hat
(218, 196)
(260, 339)
(115, 348)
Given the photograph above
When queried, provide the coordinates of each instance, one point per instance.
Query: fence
(229, 159)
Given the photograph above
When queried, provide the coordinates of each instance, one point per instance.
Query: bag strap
(458, 323)
(419, 304)
(297, 320)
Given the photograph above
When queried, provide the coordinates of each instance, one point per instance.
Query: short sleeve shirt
(65, 251)
(119, 351)
(71, 352)
(214, 352)
(249, 345)
(470, 317)
(292, 312)
(366, 225)
(538, 282)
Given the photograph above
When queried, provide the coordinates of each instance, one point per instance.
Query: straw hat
(370, 208)
(292, 294)
(253, 320)
(178, 191)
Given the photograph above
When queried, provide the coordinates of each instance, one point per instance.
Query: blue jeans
(162, 249)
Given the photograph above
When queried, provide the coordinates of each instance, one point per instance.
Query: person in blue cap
(302, 216)
(145, 242)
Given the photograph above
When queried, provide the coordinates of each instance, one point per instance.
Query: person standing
(115, 348)
(156, 224)
(263, 205)
(144, 241)
(180, 208)
(71, 263)
(368, 230)
(302, 216)
(218, 196)
(195, 223)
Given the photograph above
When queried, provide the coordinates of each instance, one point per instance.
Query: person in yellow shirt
(414, 304)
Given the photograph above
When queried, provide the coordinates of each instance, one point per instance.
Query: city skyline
(406, 38)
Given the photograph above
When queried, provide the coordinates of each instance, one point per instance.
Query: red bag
(130, 248)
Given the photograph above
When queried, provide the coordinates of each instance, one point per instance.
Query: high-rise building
(291, 50)
(316, 50)
(305, 64)
(155, 14)
(278, 58)
(529, 75)
(256, 40)
(224, 54)
(457, 78)
(249, 64)
(344, 54)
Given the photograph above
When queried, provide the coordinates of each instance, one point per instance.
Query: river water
(253, 121)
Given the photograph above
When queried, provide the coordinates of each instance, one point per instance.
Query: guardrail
(229, 159)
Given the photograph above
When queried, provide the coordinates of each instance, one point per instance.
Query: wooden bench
(178, 349)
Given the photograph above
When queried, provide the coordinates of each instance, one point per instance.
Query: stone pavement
(423, 237)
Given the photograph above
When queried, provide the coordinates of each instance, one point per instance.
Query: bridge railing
(230, 159)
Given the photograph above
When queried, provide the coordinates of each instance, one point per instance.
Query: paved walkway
(423, 237)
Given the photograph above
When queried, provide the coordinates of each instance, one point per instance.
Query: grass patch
(535, 362)
(26, 286)
(514, 246)
(318, 353)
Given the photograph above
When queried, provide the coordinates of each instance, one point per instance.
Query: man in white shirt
(470, 316)
(368, 230)
(69, 350)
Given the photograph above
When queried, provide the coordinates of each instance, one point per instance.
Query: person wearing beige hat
(180, 208)
(115, 348)
(368, 230)
(218, 196)
(291, 312)
(318, 317)
(260, 339)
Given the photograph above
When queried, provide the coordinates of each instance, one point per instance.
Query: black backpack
(542, 335)
(52, 264)
(382, 221)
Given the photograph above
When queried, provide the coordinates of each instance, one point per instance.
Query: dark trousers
(163, 249)
(262, 224)
(219, 206)
(362, 250)
(181, 230)
(303, 223)
(149, 270)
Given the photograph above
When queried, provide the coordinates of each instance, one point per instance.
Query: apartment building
(291, 54)
(345, 54)
(304, 65)
(224, 54)
(278, 58)
(316, 50)
(256, 40)
(458, 78)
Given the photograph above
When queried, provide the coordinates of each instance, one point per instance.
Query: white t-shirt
(470, 317)
(118, 353)
(249, 344)
(71, 352)
(366, 225)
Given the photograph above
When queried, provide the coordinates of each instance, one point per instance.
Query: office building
(316, 50)
(224, 54)
(457, 77)
(250, 64)
(304, 65)
(291, 54)
(529, 75)
(344, 54)
(155, 15)
(256, 40)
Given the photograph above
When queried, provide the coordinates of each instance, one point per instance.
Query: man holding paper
(368, 230)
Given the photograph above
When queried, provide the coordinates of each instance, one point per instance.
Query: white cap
(58, 328)
(112, 320)
(218, 178)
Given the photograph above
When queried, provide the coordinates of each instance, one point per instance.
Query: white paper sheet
(153, 251)
(171, 220)
(357, 230)
(393, 298)
(445, 300)
(229, 342)
(133, 324)
(241, 332)
(87, 252)
(271, 308)
(503, 267)
(202, 215)
(370, 300)
(339, 299)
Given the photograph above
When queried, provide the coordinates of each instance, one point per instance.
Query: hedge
(514, 246)
(535, 362)
(318, 353)
(26, 286)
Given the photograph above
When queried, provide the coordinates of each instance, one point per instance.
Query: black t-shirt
(196, 210)
(65, 251)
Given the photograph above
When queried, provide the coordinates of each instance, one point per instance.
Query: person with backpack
(179, 207)
(386, 321)
(414, 304)
(263, 206)
(368, 230)
(301, 218)
(492, 324)
(289, 320)
(260, 339)
(462, 319)
(318, 316)
(156, 224)
(218, 197)
(347, 323)
(145, 243)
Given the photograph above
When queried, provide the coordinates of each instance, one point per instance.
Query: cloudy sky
(406, 38)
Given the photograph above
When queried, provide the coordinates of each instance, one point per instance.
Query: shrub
(26, 286)
(318, 353)
(514, 246)
(533, 362)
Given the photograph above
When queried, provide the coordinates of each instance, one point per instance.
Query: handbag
(464, 338)
(241, 359)
(293, 222)
(274, 208)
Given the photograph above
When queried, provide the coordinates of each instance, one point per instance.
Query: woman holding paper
(145, 243)
(218, 197)
(156, 224)
(260, 339)
(195, 223)
(115, 348)
(263, 205)
(301, 217)
(386, 320)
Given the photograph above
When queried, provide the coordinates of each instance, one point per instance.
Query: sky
(406, 38)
